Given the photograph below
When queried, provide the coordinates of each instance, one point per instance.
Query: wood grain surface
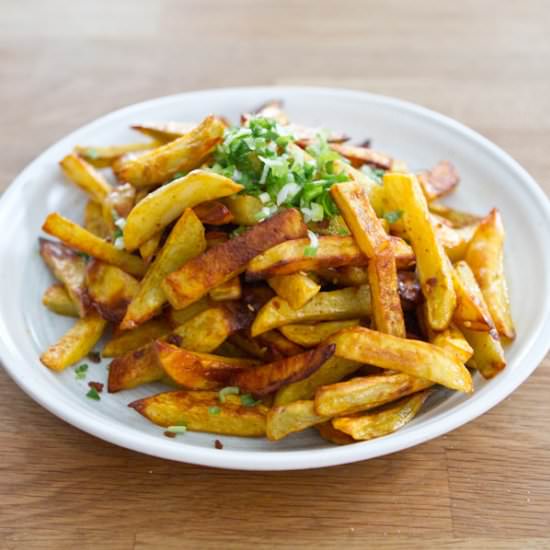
(485, 62)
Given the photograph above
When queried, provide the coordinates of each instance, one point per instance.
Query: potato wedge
(310, 336)
(488, 357)
(329, 433)
(454, 341)
(150, 247)
(278, 346)
(129, 340)
(120, 200)
(268, 378)
(164, 131)
(179, 316)
(378, 423)
(336, 305)
(230, 290)
(213, 213)
(455, 241)
(409, 356)
(110, 290)
(282, 420)
(363, 155)
(434, 271)
(163, 206)
(77, 237)
(485, 257)
(244, 208)
(227, 260)
(69, 268)
(56, 299)
(297, 289)
(202, 411)
(101, 157)
(181, 155)
(365, 393)
(334, 370)
(471, 310)
(199, 371)
(438, 181)
(134, 368)
(333, 251)
(252, 347)
(456, 217)
(353, 275)
(75, 344)
(94, 221)
(85, 176)
(186, 240)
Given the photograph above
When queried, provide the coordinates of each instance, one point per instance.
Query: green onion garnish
(80, 371)
(214, 411)
(93, 394)
(248, 401)
(393, 215)
(229, 390)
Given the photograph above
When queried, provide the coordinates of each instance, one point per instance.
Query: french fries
(278, 346)
(94, 221)
(488, 357)
(56, 299)
(230, 290)
(213, 213)
(244, 208)
(163, 206)
(283, 420)
(82, 174)
(129, 340)
(164, 131)
(297, 289)
(133, 369)
(101, 157)
(363, 155)
(310, 336)
(438, 181)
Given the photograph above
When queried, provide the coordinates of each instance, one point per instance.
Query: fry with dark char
(438, 181)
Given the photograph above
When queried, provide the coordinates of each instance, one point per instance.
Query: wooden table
(485, 62)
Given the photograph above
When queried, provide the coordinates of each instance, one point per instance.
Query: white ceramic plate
(421, 137)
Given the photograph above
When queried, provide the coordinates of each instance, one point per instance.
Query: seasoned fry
(329, 433)
(213, 213)
(378, 423)
(252, 347)
(77, 237)
(312, 335)
(278, 346)
(352, 275)
(133, 369)
(179, 316)
(456, 217)
(363, 155)
(120, 200)
(346, 303)
(163, 206)
(82, 174)
(434, 271)
(164, 131)
(186, 240)
(488, 357)
(283, 420)
(485, 257)
(244, 208)
(94, 221)
(455, 241)
(268, 378)
(101, 157)
(149, 248)
(297, 289)
(409, 356)
(193, 409)
(181, 155)
(230, 290)
(56, 299)
(75, 344)
(69, 268)
(333, 251)
(214, 238)
(438, 181)
(227, 260)
(125, 341)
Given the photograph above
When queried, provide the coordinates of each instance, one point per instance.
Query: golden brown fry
(69, 268)
(363, 155)
(214, 238)
(186, 240)
(181, 155)
(333, 251)
(488, 357)
(353, 275)
(163, 206)
(278, 346)
(94, 221)
(120, 201)
(101, 157)
(454, 341)
(82, 174)
(75, 344)
(409, 356)
(179, 316)
(195, 410)
(244, 208)
(213, 213)
(149, 248)
(456, 217)
(312, 335)
(434, 270)
(56, 299)
(378, 423)
(252, 347)
(77, 237)
(268, 378)
(164, 131)
(485, 257)
(282, 420)
(334, 370)
(297, 289)
(134, 368)
(365, 393)
(455, 241)
(346, 303)
(230, 290)
(329, 433)
(438, 181)
(129, 340)
(227, 260)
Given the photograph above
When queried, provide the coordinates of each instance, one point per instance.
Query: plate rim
(136, 440)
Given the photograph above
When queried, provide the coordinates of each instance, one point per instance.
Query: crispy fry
(488, 357)
(230, 290)
(227, 260)
(438, 181)
(149, 248)
(133, 369)
(121, 200)
(75, 344)
(282, 420)
(456, 217)
(455, 241)
(213, 213)
(164, 131)
(101, 157)
(163, 206)
(434, 271)
(268, 378)
(363, 155)
(333, 251)
(346, 303)
(194, 409)
(56, 299)
(378, 423)
(77, 237)
(312, 335)
(179, 316)
(69, 268)
(297, 289)
(82, 174)
(365, 393)
(278, 345)
(186, 240)
(485, 257)
(129, 340)
(244, 208)
(94, 221)
(352, 275)
(334, 370)
(329, 433)
(409, 356)
(454, 341)
(251, 346)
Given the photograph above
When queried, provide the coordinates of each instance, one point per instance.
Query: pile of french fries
(253, 334)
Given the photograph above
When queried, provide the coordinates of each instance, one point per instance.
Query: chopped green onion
(248, 401)
(393, 215)
(181, 429)
(118, 231)
(310, 251)
(214, 411)
(93, 394)
(92, 153)
(80, 371)
(229, 390)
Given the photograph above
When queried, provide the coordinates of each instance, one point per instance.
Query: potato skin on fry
(488, 357)
(312, 335)
(133, 369)
(283, 420)
(129, 340)
(439, 181)
(268, 378)
(297, 289)
(213, 213)
(82, 174)
(56, 299)
(191, 408)
(329, 433)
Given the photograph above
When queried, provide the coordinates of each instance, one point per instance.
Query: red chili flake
(218, 444)
(170, 434)
(98, 386)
